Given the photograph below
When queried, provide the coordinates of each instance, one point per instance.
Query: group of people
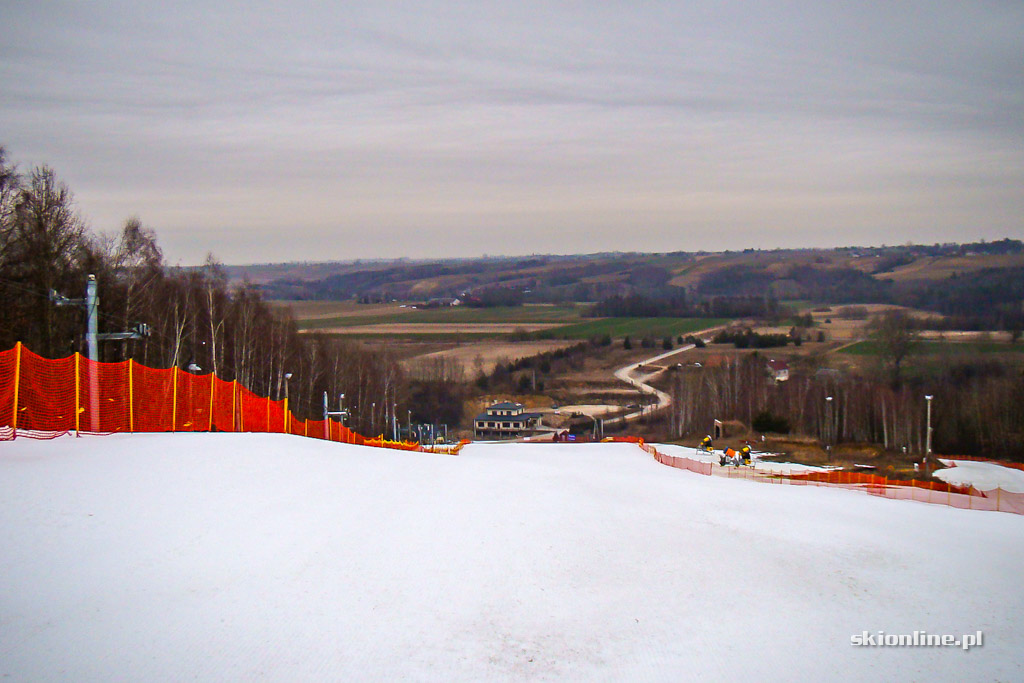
(729, 456)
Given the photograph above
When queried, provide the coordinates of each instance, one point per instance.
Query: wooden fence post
(213, 383)
(131, 397)
(78, 397)
(174, 399)
(17, 385)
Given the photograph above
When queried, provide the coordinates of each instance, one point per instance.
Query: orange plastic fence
(967, 498)
(679, 462)
(447, 449)
(44, 398)
(940, 493)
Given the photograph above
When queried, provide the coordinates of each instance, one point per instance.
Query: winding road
(628, 374)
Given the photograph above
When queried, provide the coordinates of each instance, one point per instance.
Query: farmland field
(636, 327)
(934, 348)
(562, 321)
(539, 314)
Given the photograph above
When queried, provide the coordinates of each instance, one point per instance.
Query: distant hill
(980, 278)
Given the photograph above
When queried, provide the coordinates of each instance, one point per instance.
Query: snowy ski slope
(246, 557)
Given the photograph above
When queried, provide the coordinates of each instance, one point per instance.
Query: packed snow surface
(768, 466)
(983, 476)
(267, 557)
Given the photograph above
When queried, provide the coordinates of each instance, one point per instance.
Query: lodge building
(505, 420)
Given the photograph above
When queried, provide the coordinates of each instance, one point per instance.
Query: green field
(460, 315)
(635, 327)
(935, 348)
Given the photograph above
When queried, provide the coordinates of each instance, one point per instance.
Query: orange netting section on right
(938, 493)
(43, 398)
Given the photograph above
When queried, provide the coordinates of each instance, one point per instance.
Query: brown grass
(486, 355)
(316, 310)
(940, 268)
(441, 328)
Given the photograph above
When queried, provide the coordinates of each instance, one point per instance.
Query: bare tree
(896, 337)
(10, 187)
(44, 246)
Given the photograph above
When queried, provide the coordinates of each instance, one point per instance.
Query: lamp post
(828, 419)
(928, 432)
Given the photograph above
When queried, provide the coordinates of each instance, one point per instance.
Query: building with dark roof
(778, 369)
(505, 420)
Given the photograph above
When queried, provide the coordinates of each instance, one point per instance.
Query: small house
(778, 369)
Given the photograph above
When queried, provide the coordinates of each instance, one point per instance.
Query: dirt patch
(442, 328)
(318, 310)
(486, 355)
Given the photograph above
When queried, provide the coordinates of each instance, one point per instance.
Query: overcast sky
(284, 131)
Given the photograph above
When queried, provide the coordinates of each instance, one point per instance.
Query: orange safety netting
(940, 493)
(43, 398)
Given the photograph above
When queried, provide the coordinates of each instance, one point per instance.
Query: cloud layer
(269, 131)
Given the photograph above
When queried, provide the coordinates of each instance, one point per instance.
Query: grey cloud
(544, 120)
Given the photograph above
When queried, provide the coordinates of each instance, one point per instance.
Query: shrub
(765, 421)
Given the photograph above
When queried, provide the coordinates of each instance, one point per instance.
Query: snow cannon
(745, 452)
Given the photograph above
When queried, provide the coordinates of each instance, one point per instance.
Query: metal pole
(92, 304)
(928, 434)
(326, 419)
(92, 307)
(394, 422)
(828, 429)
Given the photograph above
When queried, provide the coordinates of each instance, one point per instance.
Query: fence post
(174, 399)
(78, 397)
(998, 491)
(17, 384)
(213, 384)
(284, 425)
(268, 415)
(131, 397)
(234, 394)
